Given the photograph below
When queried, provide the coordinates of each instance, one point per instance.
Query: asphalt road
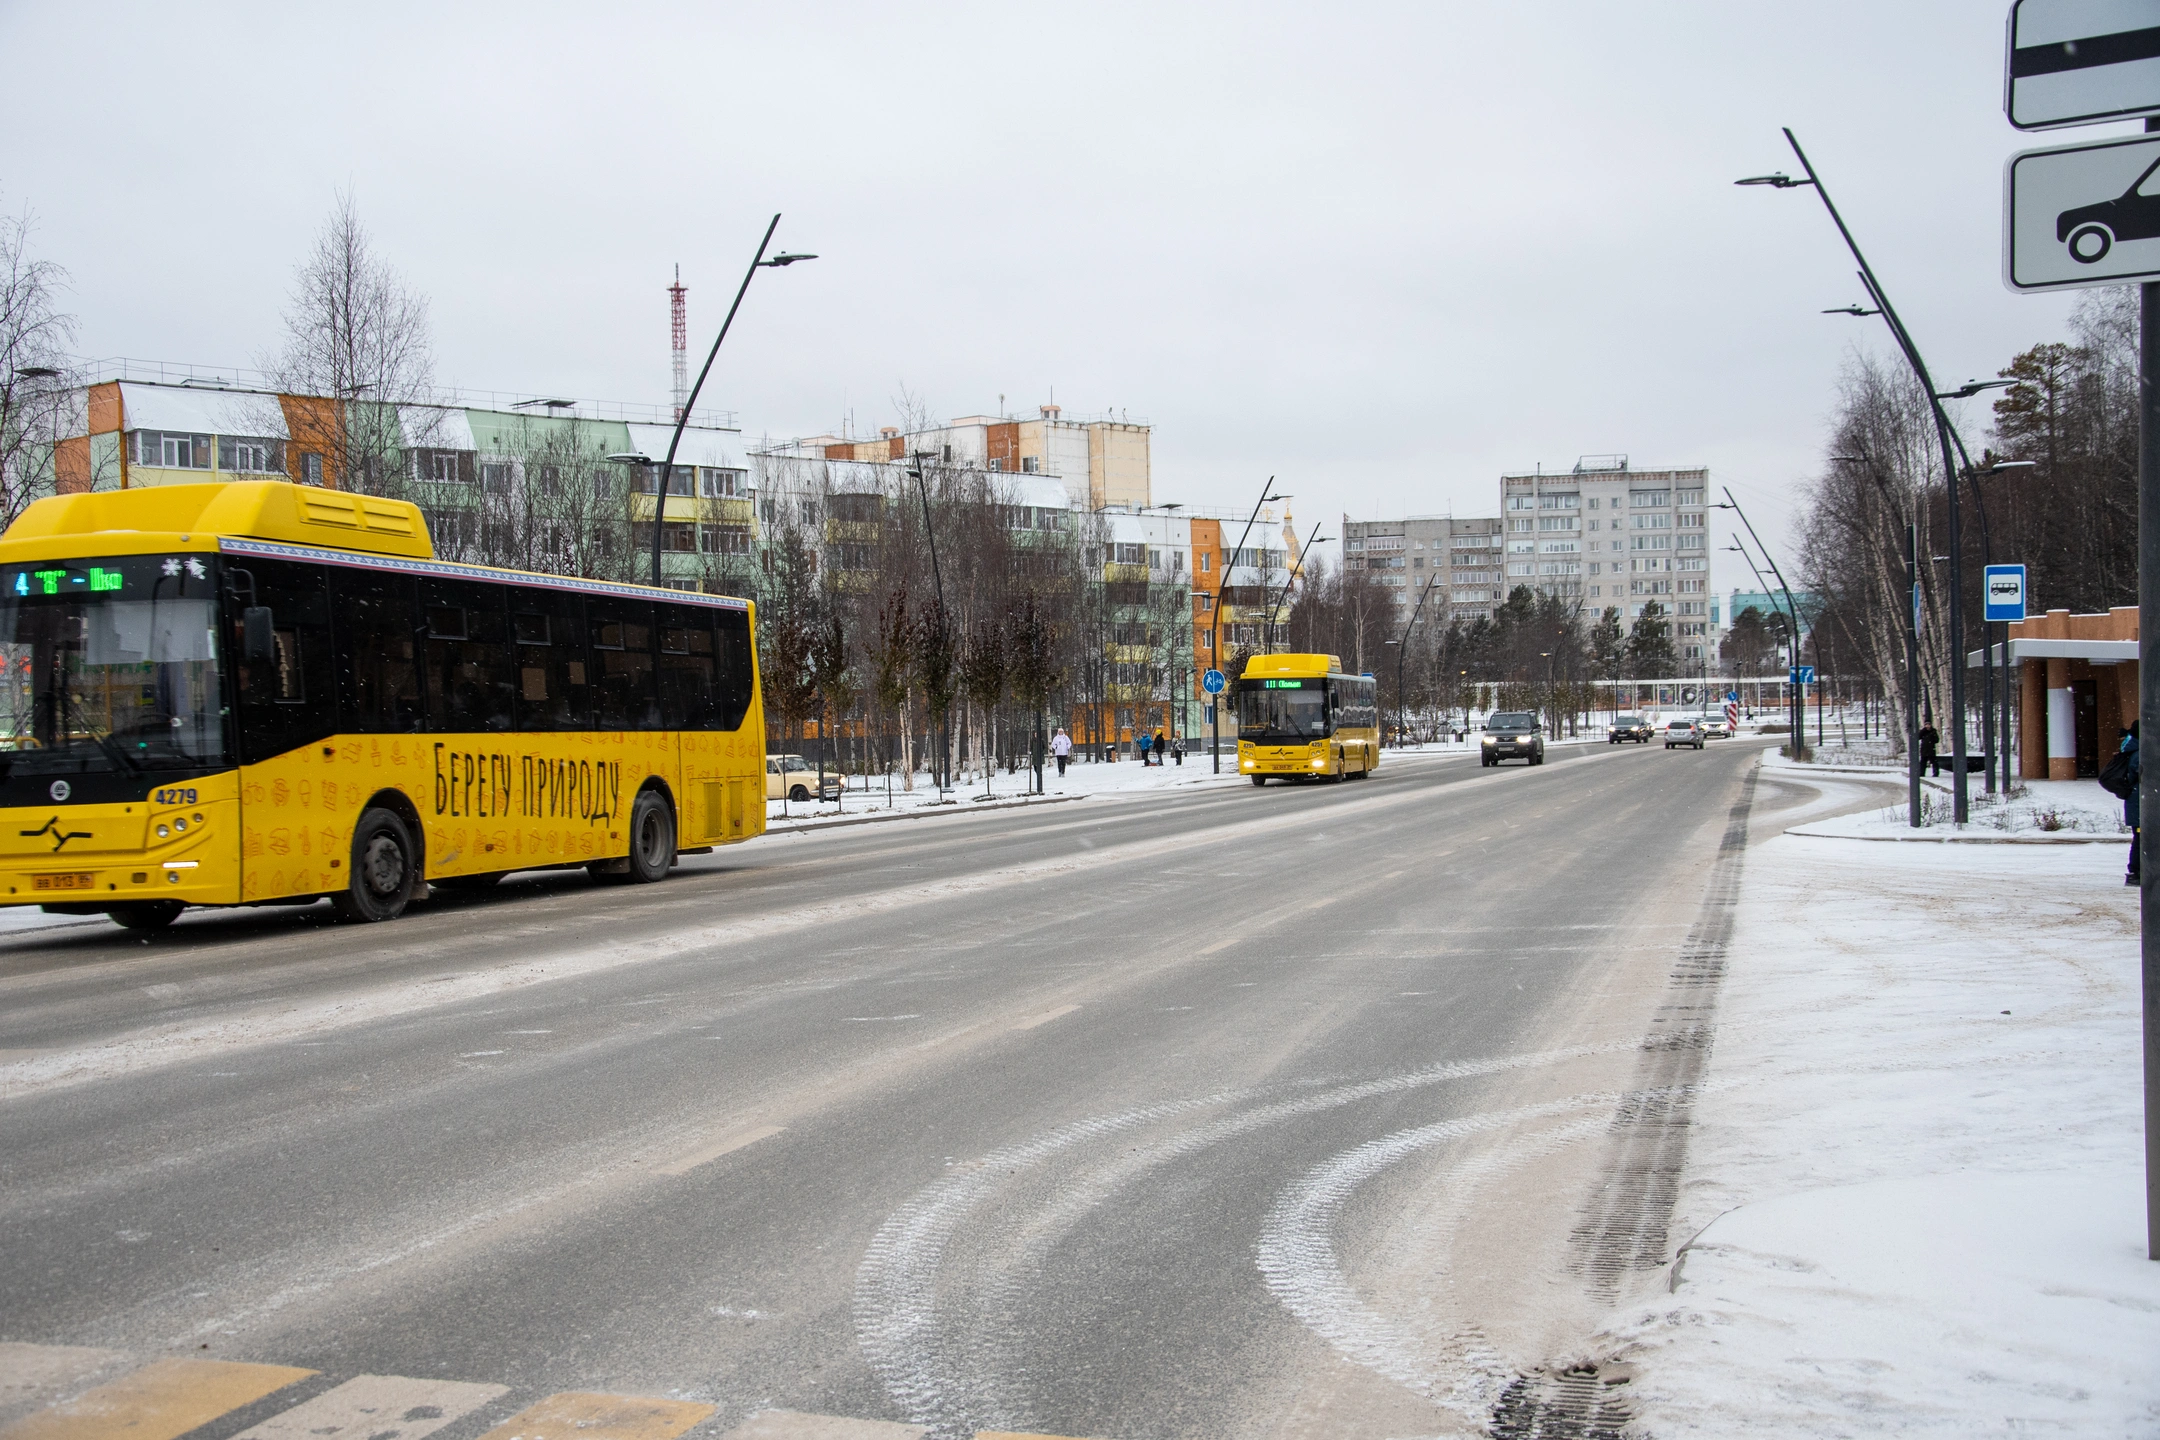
(1219, 1113)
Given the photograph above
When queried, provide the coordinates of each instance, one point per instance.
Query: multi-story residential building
(1102, 461)
(581, 502)
(1459, 557)
(1608, 535)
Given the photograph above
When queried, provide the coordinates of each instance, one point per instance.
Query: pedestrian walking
(2130, 806)
(1929, 760)
(1177, 749)
(1160, 749)
(1144, 742)
(1061, 749)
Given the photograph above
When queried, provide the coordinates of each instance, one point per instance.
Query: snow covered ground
(1914, 1187)
(2045, 811)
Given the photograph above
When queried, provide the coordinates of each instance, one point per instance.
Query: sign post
(2073, 62)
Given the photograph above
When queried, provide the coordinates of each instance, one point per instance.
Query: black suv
(1630, 727)
(1512, 734)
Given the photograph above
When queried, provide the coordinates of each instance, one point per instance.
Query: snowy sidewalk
(1916, 1165)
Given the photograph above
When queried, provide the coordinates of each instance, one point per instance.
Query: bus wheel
(146, 914)
(652, 838)
(382, 869)
(1259, 779)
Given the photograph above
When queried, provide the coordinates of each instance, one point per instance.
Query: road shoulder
(1914, 1191)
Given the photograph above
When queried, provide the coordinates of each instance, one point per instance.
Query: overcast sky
(1383, 252)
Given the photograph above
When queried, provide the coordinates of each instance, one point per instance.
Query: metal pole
(1912, 673)
(937, 576)
(1987, 649)
(1792, 609)
(1215, 624)
(2149, 723)
(1959, 788)
(667, 466)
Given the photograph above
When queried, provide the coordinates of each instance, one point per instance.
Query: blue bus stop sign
(2005, 591)
(1213, 682)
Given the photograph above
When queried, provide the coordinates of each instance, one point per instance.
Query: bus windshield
(1282, 710)
(110, 665)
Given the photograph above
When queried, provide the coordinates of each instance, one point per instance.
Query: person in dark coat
(2130, 805)
(1929, 740)
(1161, 749)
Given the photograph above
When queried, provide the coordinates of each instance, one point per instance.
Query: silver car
(1683, 732)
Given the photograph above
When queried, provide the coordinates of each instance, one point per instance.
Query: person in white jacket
(1061, 749)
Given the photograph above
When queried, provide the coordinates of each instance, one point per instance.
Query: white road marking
(727, 1145)
(155, 1046)
(377, 1407)
(897, 1320)
(794, 1425)
(1296, 1255)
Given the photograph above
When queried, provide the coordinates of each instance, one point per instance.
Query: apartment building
(1607, 535)
(580, 499)
(1458, 558)
(1101, 460)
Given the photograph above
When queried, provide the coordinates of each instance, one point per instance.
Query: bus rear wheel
(382, 869)
(1259, 779)
(652, 838)
(145, 914)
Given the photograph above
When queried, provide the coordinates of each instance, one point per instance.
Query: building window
(1688, 497)
(1649, 499)
(440, 466)
(249, 455)
(1030, 465)
(495, 476)
(724, 539)
(311, 468)
(169, 451)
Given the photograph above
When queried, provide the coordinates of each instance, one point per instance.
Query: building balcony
(696, 509)
(1125, 574)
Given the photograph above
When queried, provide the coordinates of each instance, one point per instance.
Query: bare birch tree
(34, 336)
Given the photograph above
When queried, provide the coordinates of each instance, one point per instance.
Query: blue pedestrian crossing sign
(2005, 592)
(1213, 682)
(1803, 674)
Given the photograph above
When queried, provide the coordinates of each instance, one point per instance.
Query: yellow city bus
(266, 693)
(1299, 716)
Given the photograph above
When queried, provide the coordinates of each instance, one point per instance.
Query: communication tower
(679, 339)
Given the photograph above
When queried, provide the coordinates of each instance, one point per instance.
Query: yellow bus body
(1351, 750)
(282, 829)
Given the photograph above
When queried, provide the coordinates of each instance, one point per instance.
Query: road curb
(927, 812)
(1922, 837)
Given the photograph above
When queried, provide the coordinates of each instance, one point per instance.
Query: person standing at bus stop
(1061, 749)
(1143, 747)
(2130, 807)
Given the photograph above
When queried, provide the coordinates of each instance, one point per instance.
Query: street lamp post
(1222, 580)
(1792, 607)
(942, 777)
(1912, 639)
(1297, 561)
(1989, 728)
(1402, 648)
(1875, 292)
(667, 464)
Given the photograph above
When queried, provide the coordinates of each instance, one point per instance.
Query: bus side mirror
(258, 643)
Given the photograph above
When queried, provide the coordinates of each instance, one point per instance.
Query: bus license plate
(71, 881)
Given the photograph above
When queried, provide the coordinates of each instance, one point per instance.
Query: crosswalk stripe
(795, 1425)
(377, 1407)
(574, 1415)
(162, 1400)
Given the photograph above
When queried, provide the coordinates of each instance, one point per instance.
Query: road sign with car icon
(2082, 215)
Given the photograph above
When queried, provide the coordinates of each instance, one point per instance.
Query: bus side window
(732, 686)
(469, 682)
(620, 636)
(548, 629)
(377, 627)
(687, 658)
(286, 701)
